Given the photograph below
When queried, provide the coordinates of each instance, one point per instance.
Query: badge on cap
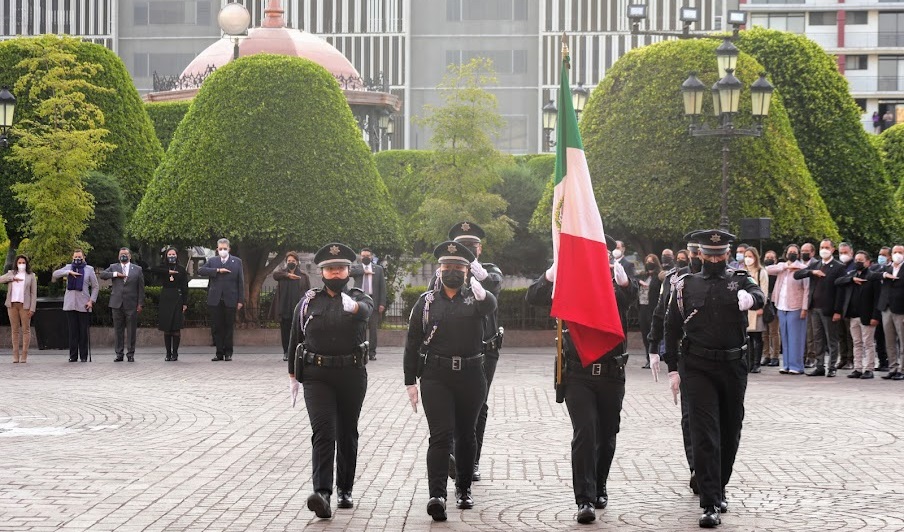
(452, 248)
(465, 226)
(716, 238)
(334, 250)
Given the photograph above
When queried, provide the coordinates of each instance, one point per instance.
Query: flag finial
(565, 51)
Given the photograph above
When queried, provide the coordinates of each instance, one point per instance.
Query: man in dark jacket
(891, 305)
(825, 305)
(858, 295)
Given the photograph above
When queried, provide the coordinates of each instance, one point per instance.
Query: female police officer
(327, 355)
(445, 337)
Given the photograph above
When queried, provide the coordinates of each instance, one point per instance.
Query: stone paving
(198, 445)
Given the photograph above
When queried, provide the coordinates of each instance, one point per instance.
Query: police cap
(466, 232)
(692, 244)
(334, 254)
(713, 241)
(451, 252)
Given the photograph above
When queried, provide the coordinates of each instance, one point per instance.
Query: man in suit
(845, 340)
(371, 278)
(809, 257)
(126, 299)
(619, 254)
(825, 304)
(891, 304)
(859, 310)
(225, 297)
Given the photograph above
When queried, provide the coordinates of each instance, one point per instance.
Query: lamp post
(726, 96)
(579, 97)
(7, 109)
(550, 117)
(637, 13)
(234, 20)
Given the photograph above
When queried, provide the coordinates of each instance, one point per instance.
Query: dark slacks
(222, 326)
(285, 329)
(825, 338)
(686, 426)
(645, 318)
(452, 401)
(594, 405)
(124, 320)
(78, 333)
(489, 370)
(333, 397)
(715, 392)
(373, 325)
(845, 342)
(881, 352)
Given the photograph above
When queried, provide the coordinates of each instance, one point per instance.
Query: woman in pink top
(791, 296)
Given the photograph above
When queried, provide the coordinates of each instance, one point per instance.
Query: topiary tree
(403, 172)
(270, 157)
(648, 194)
(890, 145)
(106, 231)
(165, 116)
(522, 186)
(826, 123)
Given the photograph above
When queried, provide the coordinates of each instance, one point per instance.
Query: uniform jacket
(859, 300)
(891, 295)
(76, 300)
(127, 292)
(30, 292)
(226, 287)
(823, 288)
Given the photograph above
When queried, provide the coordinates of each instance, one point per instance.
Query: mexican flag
(583, 295)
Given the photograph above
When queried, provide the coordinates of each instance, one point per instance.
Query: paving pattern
(198, 445)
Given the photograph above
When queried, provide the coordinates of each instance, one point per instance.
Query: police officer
(707, 316)
(593, 396)
(444, 348)
(692, 265)
(490, 277)
(328, 353)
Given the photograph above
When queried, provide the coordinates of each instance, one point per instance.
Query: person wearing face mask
(707, 318)
(845, 342)
(21, 302)
(81, 294)
(737, 262)
(371, 278)
(891, 304)
(809, 257)
(755, 324)
(648, 289)
(859, 296)
(225, 297)
(618, 253)
(126, 302)
(825, 303)
(328, 356)
(173, 302)
(667, 260)
(291, 284)
(791, 298)
(772, 335)
(444, 348)
(882, 259)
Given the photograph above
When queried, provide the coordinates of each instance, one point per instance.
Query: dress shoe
(372, 356)
(463, 500)
(73, 359)
(436, 507)
(831, 373)
(345, 499)
(723, 506)
(475, 477)
(216, 359)
(452, 467)
(773, 363)
(856, 374)
(693, 483)
(228, 358)
(646, 366)
(285, 358)
(131, 358)
(585, 513)
(601, 501)
(168, 358)
(898, 377)
(319, 503)
(783, 371)
(118, 358)
(755, 369)
(710, 518)
(819, 372)
(867, 375)
(882, 367)
(890, 375)
(175, 357)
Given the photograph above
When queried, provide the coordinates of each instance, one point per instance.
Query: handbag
(769, 312)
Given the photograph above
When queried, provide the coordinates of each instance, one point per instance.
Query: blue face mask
(882, 259)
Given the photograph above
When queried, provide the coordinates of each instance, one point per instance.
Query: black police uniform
(594, 396)
(703, 317)
(328, 357)
(449, 335)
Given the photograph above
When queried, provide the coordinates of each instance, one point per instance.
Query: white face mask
(897, 257)
(21, 267)
(825, 253)
(617, 253)
(845, 258)
(748, 261)
(739, 257)
(223, 253)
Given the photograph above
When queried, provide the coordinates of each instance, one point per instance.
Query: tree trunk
(256, 268)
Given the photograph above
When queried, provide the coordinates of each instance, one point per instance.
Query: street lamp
(726, 96)
(550, 117)
(579, 96)
(637, 13)
(7, 109)
(234, 20)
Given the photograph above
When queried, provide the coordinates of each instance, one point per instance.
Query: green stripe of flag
(567, 133)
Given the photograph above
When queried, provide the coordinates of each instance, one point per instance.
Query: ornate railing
(193, 81)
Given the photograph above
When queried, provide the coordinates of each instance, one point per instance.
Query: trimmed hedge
(165, 116)
(106, 232)
(403, 173)
(891, 148)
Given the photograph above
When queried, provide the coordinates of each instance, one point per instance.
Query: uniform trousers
(893, 324)
(594, 404)
(124, 321)
(452, 402)
(715, 390)
(686, 427)
(222, 326)
(490, 360)
(333, 397)
(864, 347)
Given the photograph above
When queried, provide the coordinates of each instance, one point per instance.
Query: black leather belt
(454, 363)
(718, 354)
(609, 366)
(335, 361)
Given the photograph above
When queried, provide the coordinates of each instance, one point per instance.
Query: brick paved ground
(203, 446)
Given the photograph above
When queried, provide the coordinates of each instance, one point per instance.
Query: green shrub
(106, 232)
(165, 116)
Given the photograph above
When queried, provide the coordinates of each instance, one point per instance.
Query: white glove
(348, 304)
(412, 396)
(478, 271)
(745, 300)
(480, 293)
(621, 278)
(551, 273)
(654, 366)
(293, 390)
(674, 383)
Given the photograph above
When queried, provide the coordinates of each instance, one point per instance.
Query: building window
(856, 18)
(792, 22)
(889, 69)
(164, 64)
(513, 138)
(776, 1)
(855, 62)
(504, 61)
(465, 10)
(823, 18)
(170, 12)
(891, 29)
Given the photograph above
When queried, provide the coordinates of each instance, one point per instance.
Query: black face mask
(650, 266)
(792, 257)
(453, 279)
(123, 258)
(366, 260)
(860, 266)
(291, 266)
(681, 263)
(665, 260)
(336, 285)
(768, 262)
(78, 262)
(172, 260)
(712, 268)
(805, 256)
(696, 264)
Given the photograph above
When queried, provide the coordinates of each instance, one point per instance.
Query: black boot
(176, 339)
(436, 507)
(463, 500)
(168, 343)
(585, 513)
(319, 503)
(710, 518)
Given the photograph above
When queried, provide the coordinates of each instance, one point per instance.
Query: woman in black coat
(173, 302)
(647, 297)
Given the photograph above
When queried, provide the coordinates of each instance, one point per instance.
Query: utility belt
(357, 359)
(454, 363)
(717, 354)
(609, 367)
(494, 343)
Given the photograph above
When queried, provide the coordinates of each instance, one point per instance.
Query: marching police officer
(328, 353)
(707, 316)
(593, 396)
(445, 349)
(490, 277)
